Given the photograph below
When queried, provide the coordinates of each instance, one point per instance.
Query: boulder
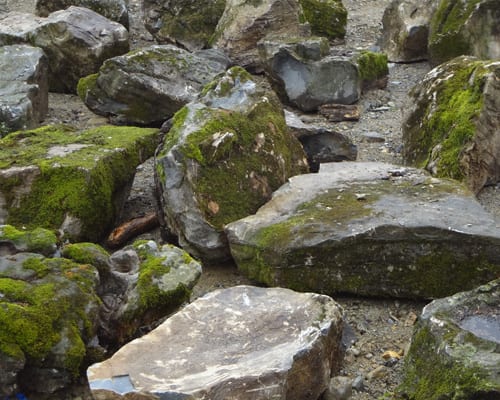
(115, 10)
(38, 240)
(75, 182)
(238, 343)
(464, 27)
(454, 352)
(371, 229)
(222, 159)
(23, 87)
(148, 85)
(76, 41)
(405, 32)
(327, 18)
(453, 127)
(189, 24)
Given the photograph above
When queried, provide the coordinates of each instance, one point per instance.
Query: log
(132, 228)
(339, 112)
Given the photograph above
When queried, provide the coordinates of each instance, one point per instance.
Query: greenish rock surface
(327, 18)
(61, 179)
(453, 129)
(38, 240)
(222, 159)
(455, 349)
(371, 229)
(373, 69)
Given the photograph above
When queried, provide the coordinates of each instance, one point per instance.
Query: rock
(75, 182)
(189, 24)
(222, 159)
(38, 240)
(467, 27)
(238, 343)
(454, 351)
(76, 42)
(453, 129)
(405, 32)
(147, 86)
(372, 137)
(115, 10)
(370, 229)
(340, 388)
(23, 87)
(327, 18)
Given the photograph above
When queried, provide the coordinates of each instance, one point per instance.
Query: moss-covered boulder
(38, 240)
(453, 129)
(371, 229)
(222, 159)
(327, 18)
(58, 178)
(455, 349)
(467, 27)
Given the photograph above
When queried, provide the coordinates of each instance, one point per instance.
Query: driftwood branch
(339, 112)
(132, 228)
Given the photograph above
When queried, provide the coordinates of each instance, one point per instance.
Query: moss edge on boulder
(326, 17)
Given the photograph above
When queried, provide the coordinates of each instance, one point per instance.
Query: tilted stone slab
(371, 229)
(239, 343)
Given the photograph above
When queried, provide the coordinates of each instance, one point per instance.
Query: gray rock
(371, 229)
(240, 343)
(455, 351)
(148, 85)
(340, 388)
(23, 87)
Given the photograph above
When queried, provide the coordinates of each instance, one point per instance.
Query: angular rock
(76, 182)
(467, 27)
(238, 343)
(327, 18)
(38, 240)
(189, 24)
(76, 41)
(455, 350)
(147, 86)
(453, 128)
(371, 229)
(222, 159)
(23, 87)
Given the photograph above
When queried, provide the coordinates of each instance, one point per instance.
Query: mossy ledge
(38, 240)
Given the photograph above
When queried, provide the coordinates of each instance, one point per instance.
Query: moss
(87, 253)
(85, 85)
(39, 266)
(38, 240)
(326, 17)
(372, 66)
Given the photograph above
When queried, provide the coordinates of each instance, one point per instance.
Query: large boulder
(189, 24)
(371, 229)
(464, 27)
(222, 159)
(23, 87)
(240, 343)
(327, 18)
(147, 86)
(58, 178)
(455, 349)
(76, 41)
(453, 127)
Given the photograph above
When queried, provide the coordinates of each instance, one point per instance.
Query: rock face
(76, 42)
(147, 86)
(465, 28)
(189, 24)
(57, 178)
(453, 128)
(455, 348)
(222, 159)
(23, 87)
(371, 229)
(327, 18)
(238, 343)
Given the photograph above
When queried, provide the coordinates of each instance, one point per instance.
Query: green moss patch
(327, 17)
(372, 66)
(38, 240)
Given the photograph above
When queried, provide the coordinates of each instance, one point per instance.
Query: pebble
(358, 383)
(377, 373)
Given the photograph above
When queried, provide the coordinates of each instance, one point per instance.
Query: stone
(340, 388)
(327, 18)
(148, 85)
(75, 182)
(370, 229)
(38, 240)
(454, 350)
(76, 42)
(453, 127)
(238, 343)
(222, 158)
(188, 24)
(23, 87)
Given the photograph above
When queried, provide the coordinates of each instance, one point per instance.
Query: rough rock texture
(405, 32)
(23, 87)
(465, 27)
(38, 240)
(189, 24)
(453, 129)
(58, 178)
(371, 229)
(239, 343)
(148, 85)
(327, 18)
(115, 10)
(222, 159)
(76, 42)
(455, 352)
